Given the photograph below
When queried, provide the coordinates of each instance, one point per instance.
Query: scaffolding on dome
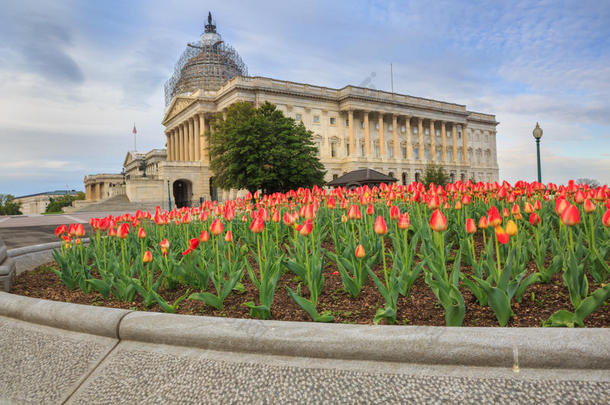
(206, 65)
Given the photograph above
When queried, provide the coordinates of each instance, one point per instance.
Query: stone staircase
(119, 203)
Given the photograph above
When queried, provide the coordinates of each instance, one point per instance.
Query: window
(428, 157)
(437, 132)
(390, 127)
(404, 178)
(450, 155)
(416, 152)
(333, 121)
(335, 176)
(417, 177)
(470, 155)
(347, 148)
(376, 125)
(316, 119)
(362, 148)
(377, 150)
(403, 129)
(347, 122)
(362, 124)
(404, 151)
(415, 130)
(298, 117)
(333, 149)
(438, 154)
(391, 149)
(426, 131)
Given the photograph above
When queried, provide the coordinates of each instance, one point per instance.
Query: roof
(361, 177)
(56, 192)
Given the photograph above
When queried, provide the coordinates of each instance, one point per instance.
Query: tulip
(394, 212)
(470, 226)
(579, 197)
(288, 219)
(354, 212)
(404, 221)
(534, 219)
(123, 231)
(537, 205)
(370, 210)
(193, 243)
(204, 236)
(505, 213)
(511, 228)
(147, 258)
(560, 205)
(344, 218)
(528, 208)
(275, 217)
(164, 244)
(570, 215)
(515, 209)
(230, 214)
(359, 253)
(483, 223)
(589, 206)
(606, 218)
(216, 228)
(466, 199)
(141, 233)
(438, 222)
(331, 203)
(306, 228)
(493, 217)
(60, 230)
(380, 226)
(228, 236)
(434, 202)
(502, 236)
(257, 225)
(111, 232)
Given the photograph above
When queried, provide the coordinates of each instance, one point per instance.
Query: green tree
(58, 203)
(435, 174)
(261, 149)
(8, 206)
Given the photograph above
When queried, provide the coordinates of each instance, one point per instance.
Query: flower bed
(473, 254)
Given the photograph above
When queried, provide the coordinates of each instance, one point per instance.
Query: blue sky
(75, 76)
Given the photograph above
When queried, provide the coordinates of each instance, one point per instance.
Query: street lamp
(537, 132)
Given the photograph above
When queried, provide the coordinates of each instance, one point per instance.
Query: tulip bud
(359, 251)
(354, 212)
(370, 210)
(589, 206)
(380, 226)
(60, 230)
(164, 244)
(511, 228)
(534, 219)
(204, 236)
(502, 236)
(394, 212)
(528, 208)
(344, 218)
(560, 205)
(606, 218)
(111, 232)
(228, 236)
(216, 227)
(434, 202)
(141, 233)
(306, 228)
(123, 231)
(404, 221)
(579, 197)
(505, 213)
(257, 225)
(147, 258)
(193, 243)
(483, 223)
(438, 222)
(275, 217)
(470, 226)
(570, 215)
(493, 217)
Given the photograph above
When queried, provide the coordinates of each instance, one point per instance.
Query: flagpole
(135, 148)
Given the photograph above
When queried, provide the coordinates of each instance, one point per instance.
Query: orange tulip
(141, 233)
(470, 226)
(147, 258)
(123, 231)
(511, 228)
(589, 206)
(438, 222)
(204, 236)
(380, 226)
(537, 205)
(228, 236)
(606, 218)
(493, 217)
(257, 225)
(570, 215)
(306, 228)
(216, 228)
(528, 208)
(359, 251)
(354, 212)
(483, 223)
(579, 197)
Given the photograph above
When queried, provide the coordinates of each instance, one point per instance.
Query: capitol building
(353, 127)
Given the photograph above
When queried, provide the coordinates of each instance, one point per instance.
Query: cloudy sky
(76, 75)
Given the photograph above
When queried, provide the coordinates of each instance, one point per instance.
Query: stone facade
(37, 203)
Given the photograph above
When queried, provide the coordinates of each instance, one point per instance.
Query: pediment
(178, 105)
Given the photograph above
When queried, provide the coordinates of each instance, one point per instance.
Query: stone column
(444, 142)
(409, 146)
(367, 137)
(197, 143)
(350, 123)
(432, 141)
(167, 144)
(464, 144)
(395, 135)
(204, 137)
(381, 137)
(181, 142)
(175, 144)
(191, 140)
(420, 130)
(454, 139)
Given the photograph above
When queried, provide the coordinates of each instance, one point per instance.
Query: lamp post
(537, 132)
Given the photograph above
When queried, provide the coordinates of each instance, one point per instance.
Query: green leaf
(208, 298)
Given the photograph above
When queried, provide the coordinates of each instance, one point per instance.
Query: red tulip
(228, 236)
(606, 218)
(483, 223)
(528, 208)
(204, 236)
(394, 212)
(186, 218)
(141, 233)
(229, 214)
(257, 225)
(193, 243)
(111, 232)
(354, 212)
(560, 205)
(579, 197)
(515, 209)
(493, 217)
(505, 213)
(438, 222)
(60, 230)
(216, 228)
(534, 219)
(331, 203)
(164, 244)
(466, 199)
(370, 210)
(570, 215)
(147, 258)
(470, 226)
(288, 219)
(537, 205)
(359, 251)
(501, 235)
(589, 206)
(380, 226)
(434, 202)
(275, 217)
(306, 228)
(404, 221)
(123, 231)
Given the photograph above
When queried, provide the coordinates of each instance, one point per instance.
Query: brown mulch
(421, 308)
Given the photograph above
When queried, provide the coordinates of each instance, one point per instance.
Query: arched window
(417, 177)
(404, 178)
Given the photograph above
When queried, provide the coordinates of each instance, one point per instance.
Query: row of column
(184, 140)
(420, 131)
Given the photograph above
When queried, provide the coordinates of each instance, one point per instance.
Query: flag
(134, 129)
